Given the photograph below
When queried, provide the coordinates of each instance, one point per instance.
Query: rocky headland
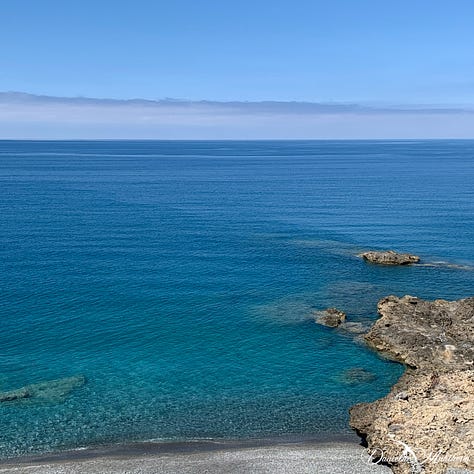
(390, 257)
(426, 423)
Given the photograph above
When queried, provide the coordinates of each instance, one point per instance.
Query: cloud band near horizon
(27, 116)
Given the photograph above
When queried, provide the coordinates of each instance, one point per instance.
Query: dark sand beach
(253, 456)
(344, 456)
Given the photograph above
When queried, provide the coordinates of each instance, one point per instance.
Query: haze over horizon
(363, 61)
(28, 116)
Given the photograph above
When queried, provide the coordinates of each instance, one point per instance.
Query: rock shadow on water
(52, 391)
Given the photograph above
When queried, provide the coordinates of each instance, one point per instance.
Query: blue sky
(309, 50)
(367, 51)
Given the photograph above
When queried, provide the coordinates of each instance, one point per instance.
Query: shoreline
(187, 446)
(298, 455)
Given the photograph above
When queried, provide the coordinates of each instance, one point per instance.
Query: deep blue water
(180, 278)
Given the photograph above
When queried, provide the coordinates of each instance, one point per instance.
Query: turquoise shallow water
(180, 277)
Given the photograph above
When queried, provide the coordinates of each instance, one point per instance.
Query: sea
(180, 279)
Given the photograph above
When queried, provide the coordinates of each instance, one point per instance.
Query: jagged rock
(54, 391)
(389, 257)
(426, 422)
(330, 317)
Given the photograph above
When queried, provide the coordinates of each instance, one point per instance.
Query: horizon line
(400, 139)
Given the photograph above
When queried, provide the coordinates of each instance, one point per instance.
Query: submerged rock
(389, 257)
(15, 395)
(330, 317)
(53, 391)
(354, 327)
(356, 375)
(426, 423)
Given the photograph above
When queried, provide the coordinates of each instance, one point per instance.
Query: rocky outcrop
(53, 391)
(331, 317)
(433, 335)
(426, 422)
(389, 257)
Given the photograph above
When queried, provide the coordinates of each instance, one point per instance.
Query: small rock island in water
(426, 423)
(331, 317)
(390, 257)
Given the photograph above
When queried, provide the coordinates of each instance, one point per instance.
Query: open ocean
(179, 278)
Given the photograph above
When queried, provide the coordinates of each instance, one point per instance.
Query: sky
(369, 52)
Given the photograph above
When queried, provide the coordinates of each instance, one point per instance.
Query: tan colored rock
(389, 257)
(426, 422)
(433, 335)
